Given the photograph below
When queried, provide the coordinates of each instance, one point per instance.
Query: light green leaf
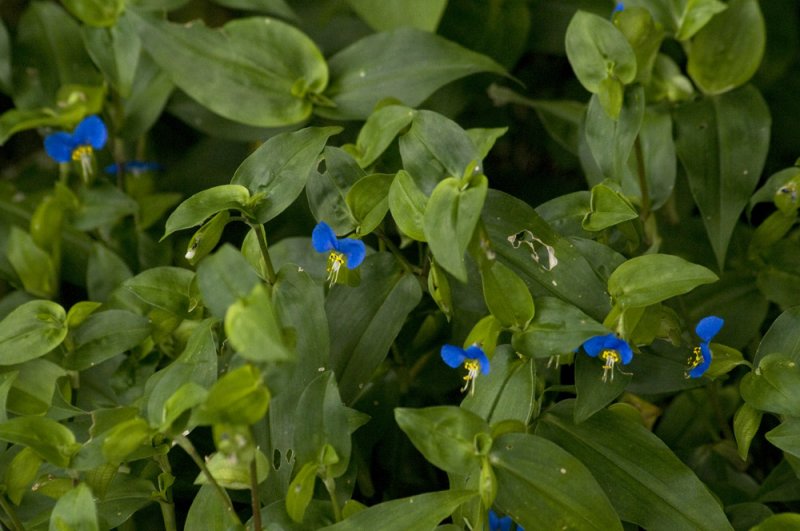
(645, 481)
(167, 288)
(608, 208)
(210, 512)
(696, 14)
(257, 71)
(202, 205)
(301, 490)
(32, 390)
(238, 397)
(726, 52)
(51, 440)
(75, 511)
(392, 14)
(277, 171)
(648, 279)
(115, 51)
(722, 142)
(745, 426)
(98, 13)
(407, 204)
(539, 482)
(407, 64)
(368, 201)
(507, 296)
(31, 330)
(779, 522)
(557, 328)
(223, 278)
(33, 266)
(423, 511)
(597, 50)
(253, 330)
(450, 219)
(380, 130)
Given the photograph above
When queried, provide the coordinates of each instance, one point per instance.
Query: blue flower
(700, 359)
(133, 166)
(620, 6)
(343, 251)
(79, 146)
(473, 359)
(497, 523)
(611, 350)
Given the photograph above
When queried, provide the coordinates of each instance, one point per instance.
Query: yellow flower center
(473, 367)
(335, 262)
(83, 154)
(610, 357)
(696, 358)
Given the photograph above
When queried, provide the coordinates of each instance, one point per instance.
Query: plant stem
(254, 497)
(11, 514)
(713, 397)
(408, 266)
(261, 235)
(187, 445)
(330, 486)
(167, 506)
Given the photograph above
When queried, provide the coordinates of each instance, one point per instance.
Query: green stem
(395, 250)
(713, 397)
(254, 497)
(167, 506)
(187, 445)
(330, 486)
(11, 514)
(261, 235)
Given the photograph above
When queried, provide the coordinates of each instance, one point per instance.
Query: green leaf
(206, 238)
(367, 320)
(774, 385)
(238, 397)
(223, 278)
(277, 171)
(652, 278)
(722, 142)
(326, 191)
(103, 335)
(392, 14)
(33, 266)
(32, 390)
(301, 490)
(125, 438)
(166, 288)
(228, 71)
(102, 206)
(51, 440)
(368, 201)
(380, 130)
(202, 205)
(450, 219)
(233, 472)
(507, 392)
(105, 272)
(507, 296)
(726, 52)
(436, 147)
(595, 393)
(783, 336)
(778, 522)
(75, 511)
(608, 208)
(423, 511)
(597, 50)
(786, 436)
(407, 204)
(322, 419)
(645, 481)
(31, 330)
(407, 64)
(658, 150)
(21, 472)
(696, 14)
(445, 435)
(210, 512)
(116, 52)
(253, 330)
(5, 60)
(98, 13)
(745, 426)
(538, 482)
(557, 328)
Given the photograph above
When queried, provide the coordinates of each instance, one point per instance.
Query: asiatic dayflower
(498, 523)
(347, 252)
(700, 359)
(473, 359)
(611, 349)
(78, 146)
(620, 6)
(132, 166)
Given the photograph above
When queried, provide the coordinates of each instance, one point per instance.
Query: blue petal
(597, 344)
(59, 146)
(624, 351)
(619, 7)
(134, 166)
(453, 356)
(91, 131)
(323, 238)
(476, 353)
(497, 523)
(708, 327)
(698, 371)
(354, 250)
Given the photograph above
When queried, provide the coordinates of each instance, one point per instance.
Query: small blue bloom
(610, 349)
(79, 146)
(700, 360)
(473, 359)
(343, 251)
(497, 523)
(133, 166)
(617, 8)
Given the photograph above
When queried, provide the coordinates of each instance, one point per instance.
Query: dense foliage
(399, 264)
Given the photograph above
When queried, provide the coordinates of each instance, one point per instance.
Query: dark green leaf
(507, 296)
(209, 512)
(539, 485)
(105, 272)
(783, 336)
(202, 205)
(407, 64)
(115, 51)
(32, 390)
(595, 392)
(745, 426)
(75, 511)
(786, 436)
(557, 328)
(33, 266)
(368, 201)
(774, 385)
(104, 335)
(166, 288)
(380, 130)
(645, 481)
(326, 191)
(722, 142)
(223, 278)
(608, 208)
(102, 206)
(31, 330)
(407, 204)
(392, 14)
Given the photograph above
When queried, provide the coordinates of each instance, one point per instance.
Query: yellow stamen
(335, 262)
(473, 367)
(696, 358)
(610, 357)
(83, 154)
